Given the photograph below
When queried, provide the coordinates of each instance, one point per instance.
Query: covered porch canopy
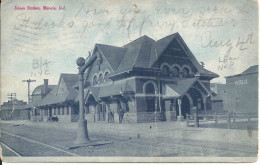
(122, 89)
(192, 90)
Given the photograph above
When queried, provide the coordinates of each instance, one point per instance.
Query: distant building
(38, 95)
(14, 110)
(60, 101)
(242, 91)
(219, 99)
(150, 80)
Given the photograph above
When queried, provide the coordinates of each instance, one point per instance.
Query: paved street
(165, 139)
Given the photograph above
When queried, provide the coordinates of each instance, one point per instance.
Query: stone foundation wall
(171, 116)
(145, 117)
(129, 118)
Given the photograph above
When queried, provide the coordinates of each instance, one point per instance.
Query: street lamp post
(82, 132)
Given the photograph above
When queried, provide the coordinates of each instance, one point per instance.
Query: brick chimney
(45, 87)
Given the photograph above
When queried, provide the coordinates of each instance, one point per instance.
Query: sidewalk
(171, 130)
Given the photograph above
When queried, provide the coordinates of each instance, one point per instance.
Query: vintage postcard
(129, 81)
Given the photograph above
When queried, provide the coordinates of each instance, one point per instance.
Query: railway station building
(60, 102)
(150, 80)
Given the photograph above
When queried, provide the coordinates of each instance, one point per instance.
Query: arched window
(165, 71)
(95, 82)
(100, 78)
(175, 72)
(185, 72)
(149, 89)
(106, 76)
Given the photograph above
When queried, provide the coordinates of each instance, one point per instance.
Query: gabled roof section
(158, 47)
(69, 79)
(182, 87)
(161, 45)
(70, 94)
(112, 54)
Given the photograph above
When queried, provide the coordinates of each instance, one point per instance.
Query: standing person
(112, 117)
(109, 116)
(121, 115)
(29, 115)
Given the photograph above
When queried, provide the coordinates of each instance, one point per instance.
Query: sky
(41, 44)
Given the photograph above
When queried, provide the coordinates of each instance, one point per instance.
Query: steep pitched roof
(143, 52)
(113, 54)
(54, 97)
(137, 53)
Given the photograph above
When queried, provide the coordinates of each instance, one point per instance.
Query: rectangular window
(46, 112)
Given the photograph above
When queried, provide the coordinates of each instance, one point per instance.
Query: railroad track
(173, 145)
(10, 149)
(35, 142)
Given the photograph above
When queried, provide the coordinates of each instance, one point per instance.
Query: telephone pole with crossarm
(29, 81)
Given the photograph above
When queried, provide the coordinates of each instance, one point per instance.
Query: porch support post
(66, 109)
(87, 109)
(104, 112)
(174, 108)
(180, 117)
(49, 111)
(205, 104)
(168, 108)
(41, 114)
(70, 110)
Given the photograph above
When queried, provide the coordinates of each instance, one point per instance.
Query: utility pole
(11, 97)
(29, 81)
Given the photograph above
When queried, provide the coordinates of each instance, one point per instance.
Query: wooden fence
(228, 118)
